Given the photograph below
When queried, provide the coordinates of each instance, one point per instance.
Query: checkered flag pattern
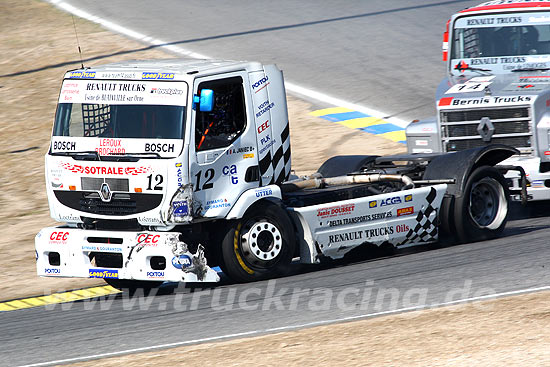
(280, 162)
(426, 229)
(95, 118)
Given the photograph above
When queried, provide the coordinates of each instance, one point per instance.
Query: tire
(481, 212)
(260, 245)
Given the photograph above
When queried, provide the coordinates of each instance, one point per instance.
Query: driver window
(220, 127)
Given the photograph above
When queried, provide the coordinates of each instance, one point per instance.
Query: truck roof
(173, 69)
(507, 4)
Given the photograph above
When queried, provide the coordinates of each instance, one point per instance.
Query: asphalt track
(418, 278)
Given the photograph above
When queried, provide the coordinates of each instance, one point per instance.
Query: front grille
(512, 126)
(94, 184)
(120, 204)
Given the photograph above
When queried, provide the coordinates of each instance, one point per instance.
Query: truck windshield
(503, 38)
(121, 109)
(119, 121)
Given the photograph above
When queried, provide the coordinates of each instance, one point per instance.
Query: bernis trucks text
(161, 170)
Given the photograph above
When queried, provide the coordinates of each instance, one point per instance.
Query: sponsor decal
(405, 211)
(180, 209)
(158, 147)
(59, 237)
(373, 204)
(335, 211)
(64, 145)
(401, 228)
(103, 273)
(250, 155)
(378, 232)
(148, 220)
(230, 171)
(260, 84)
(360, 219)
(537, 184)
(91, 170)
(239, 150)
(264, 107)
(179, 174)
(408, 197)
(147, 239)
(217, 203)
(157, 76)
(263, 126)
(155, 274)
(484, 101)
(117, 75)
(110, 146)
(182, 261)
(265, 139)
(260, 193)
(57, 185)
(269, 145)
(83, 74)
(390, 201)
(52, 271)
(167, 91)
(422, 143)
(344, 237)
(101, 248)
(115, 87)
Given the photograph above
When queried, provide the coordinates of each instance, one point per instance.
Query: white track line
(294, 88)
(286, 328)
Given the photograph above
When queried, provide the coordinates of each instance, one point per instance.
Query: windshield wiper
(78, 155)
(530, 69)
(463, 66)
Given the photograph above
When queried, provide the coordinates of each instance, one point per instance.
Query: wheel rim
(261, 242)
(487, 199)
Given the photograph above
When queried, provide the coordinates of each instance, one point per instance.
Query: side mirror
(205, 100)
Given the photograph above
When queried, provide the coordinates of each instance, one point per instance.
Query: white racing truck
(163, 169)
(497, 90)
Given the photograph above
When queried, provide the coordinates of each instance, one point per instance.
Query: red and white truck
(160, 170)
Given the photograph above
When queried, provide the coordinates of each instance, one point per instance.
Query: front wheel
(482, 211)
(260, 245)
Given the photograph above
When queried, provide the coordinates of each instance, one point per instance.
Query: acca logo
(182, 261)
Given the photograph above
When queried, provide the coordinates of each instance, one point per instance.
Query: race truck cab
(162, 169)
(497, 89)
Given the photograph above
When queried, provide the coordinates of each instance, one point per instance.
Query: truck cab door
(222, 155)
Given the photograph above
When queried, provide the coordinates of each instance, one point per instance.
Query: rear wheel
(482, 211)
(260, 245)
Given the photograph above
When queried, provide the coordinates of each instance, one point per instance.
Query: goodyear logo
(408, 197)
(157, 76)
(103, 273)
(83, 74)
(373, 204)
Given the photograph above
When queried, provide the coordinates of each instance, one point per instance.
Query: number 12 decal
(158, 182)
(208, 176)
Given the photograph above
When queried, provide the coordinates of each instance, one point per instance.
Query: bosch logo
(59, 236)
(52, 271)
(158, 147)
(64, 145)
(182, 261)
(263, 126)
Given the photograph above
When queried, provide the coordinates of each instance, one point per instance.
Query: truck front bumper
(154, 256)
